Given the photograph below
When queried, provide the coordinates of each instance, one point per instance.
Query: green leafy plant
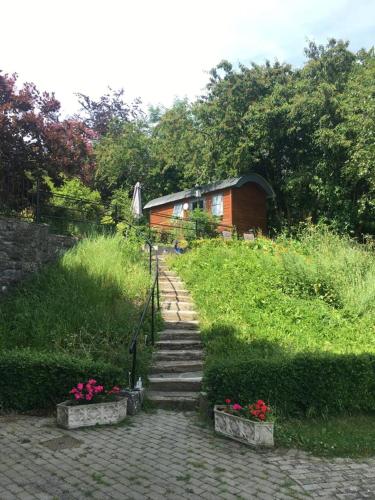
(38, 380)
(291, 320)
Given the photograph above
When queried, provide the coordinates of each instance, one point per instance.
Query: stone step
(176, 371)
(177, 305)
(177, 366)
(171, 287)
(167, 272)
(164, 276)
(181, 325)
(174, 295)
(169, 279)
(179, 335)
(178, 345)
(175, 355)
(179, 315)
(174, 400)
(171, 383)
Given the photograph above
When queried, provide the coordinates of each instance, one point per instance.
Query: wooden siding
(160, 217)
(249, 205)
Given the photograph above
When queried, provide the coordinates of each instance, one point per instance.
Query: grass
(341, 436)
(309, 298)
(86, 304)
(315, 294)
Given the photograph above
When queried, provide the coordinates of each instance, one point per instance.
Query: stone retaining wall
(25, 247)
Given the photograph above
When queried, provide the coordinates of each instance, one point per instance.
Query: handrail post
(37, 214)
(153, 316)
(134, 365)
(150, 258)
(157, 283)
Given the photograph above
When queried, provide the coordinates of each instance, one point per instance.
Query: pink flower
(236, 406)
(228, 401)
(91, 381)
(80, 386)
(78, 395)
(73, 391)
(99, 388)
(114, 390)
(88, 397)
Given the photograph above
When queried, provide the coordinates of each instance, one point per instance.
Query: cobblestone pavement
(162, 455)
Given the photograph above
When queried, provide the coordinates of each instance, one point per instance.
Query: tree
(122, 159)
(109, 113)
(34, 142)
(178, 149)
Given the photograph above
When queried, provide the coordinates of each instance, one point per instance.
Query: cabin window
(178, 210)
(217, 207)
(197, 204)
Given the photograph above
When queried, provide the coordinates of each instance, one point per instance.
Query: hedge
(32, 380)
(302, 385)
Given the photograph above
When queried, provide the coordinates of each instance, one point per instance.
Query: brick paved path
(163, 455)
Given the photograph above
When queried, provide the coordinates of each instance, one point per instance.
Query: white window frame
(178, 210)
(217, 204)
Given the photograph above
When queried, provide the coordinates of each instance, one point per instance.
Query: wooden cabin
(238, 203)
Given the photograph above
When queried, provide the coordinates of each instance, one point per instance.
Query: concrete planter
(243, 430)
(71, 416)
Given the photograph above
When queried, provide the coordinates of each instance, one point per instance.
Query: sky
(162, 49)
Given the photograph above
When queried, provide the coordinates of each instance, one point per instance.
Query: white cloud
(158, 49)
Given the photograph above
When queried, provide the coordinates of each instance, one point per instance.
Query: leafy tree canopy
(34, 141)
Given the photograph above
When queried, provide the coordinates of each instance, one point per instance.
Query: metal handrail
(137, 330)
(190, 219)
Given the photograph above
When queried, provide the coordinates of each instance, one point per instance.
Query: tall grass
(331, 267)
(315, 293)
(86, 304)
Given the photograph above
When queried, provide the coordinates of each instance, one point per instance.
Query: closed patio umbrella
(137, 201)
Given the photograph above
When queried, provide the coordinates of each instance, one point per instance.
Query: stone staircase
(176, 372)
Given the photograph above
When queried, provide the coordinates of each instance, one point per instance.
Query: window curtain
(217, 205)
(178, 210)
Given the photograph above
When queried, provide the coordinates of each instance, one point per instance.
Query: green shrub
(300, 385)
(205, 224)
(73, 208)
(33, 380)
